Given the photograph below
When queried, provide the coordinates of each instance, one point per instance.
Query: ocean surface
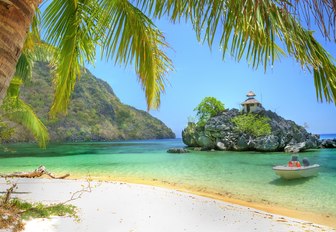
(246, 176)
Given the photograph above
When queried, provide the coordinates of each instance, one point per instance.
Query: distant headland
(95, 112)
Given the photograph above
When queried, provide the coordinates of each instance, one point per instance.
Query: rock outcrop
(221, 133)
(328, 143)
(295, 148)
(177, 150)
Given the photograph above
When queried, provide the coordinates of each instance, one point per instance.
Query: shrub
(252, 124)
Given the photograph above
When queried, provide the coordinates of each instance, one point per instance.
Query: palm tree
(260, 31)
(15, 20)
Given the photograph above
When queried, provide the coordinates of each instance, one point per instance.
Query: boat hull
(296, 172)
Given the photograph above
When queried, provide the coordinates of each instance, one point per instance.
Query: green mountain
(95, 112)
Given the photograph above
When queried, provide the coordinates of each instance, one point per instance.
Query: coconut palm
(259, 31)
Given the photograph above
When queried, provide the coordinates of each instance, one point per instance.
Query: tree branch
(40, 171)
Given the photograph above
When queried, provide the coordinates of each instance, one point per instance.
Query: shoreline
(121, 206)
(321, 219)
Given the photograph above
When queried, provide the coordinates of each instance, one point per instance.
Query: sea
(246, 176)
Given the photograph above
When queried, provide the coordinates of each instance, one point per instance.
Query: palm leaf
(33, 50)
(128, 36)
(70, 28)
(132, 37)
(18, 111)
(319, 12)
(258, 30)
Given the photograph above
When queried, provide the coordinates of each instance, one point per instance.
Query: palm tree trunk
(15, 18)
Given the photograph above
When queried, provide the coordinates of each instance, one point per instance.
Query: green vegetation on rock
(209, 107)
(253, 124)
(263, 131)
(95, 113)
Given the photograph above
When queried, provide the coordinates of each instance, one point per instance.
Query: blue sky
(285, 88)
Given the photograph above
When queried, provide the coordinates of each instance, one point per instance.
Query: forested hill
(95, 112)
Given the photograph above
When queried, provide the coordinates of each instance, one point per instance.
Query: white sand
(121, 207)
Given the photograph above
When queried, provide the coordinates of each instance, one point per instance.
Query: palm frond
(319, 12)
(35, 26)
(130, 36)
(301, 44)
(18, 111)
(24, 67)
(70, 28)
(256, 30)
(33, 50)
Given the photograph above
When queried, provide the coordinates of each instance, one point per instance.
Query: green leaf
(269, 27)
(209, 107)
(131, 37)
(18, 111)
(71, 30)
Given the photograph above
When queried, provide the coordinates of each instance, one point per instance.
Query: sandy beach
(116, 206)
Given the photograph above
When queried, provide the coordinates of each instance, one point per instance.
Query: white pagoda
(251, 104)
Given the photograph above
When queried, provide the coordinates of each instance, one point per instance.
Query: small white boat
(296, 172)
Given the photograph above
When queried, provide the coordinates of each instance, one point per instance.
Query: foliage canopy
(209, 107)
(252, 124)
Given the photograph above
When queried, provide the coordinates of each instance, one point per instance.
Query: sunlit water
(243, 175)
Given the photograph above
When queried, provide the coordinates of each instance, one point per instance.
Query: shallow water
(243, 175)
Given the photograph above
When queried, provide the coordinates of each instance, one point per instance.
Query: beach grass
(15, 211)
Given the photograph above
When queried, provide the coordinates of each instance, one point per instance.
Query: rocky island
(224, 132)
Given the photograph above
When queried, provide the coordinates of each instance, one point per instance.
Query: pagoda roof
(250, 94)
(250, 101)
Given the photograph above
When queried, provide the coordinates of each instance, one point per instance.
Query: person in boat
(305, 162)
(294, 162)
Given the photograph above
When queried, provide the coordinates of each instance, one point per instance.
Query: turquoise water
(243, 175)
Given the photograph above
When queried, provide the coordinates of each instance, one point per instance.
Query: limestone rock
(243, 143)
(205, 142)
(328, 143)
(221, 133)
(177, 150)
(267, 143)
(295, 148)
(221, 146)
